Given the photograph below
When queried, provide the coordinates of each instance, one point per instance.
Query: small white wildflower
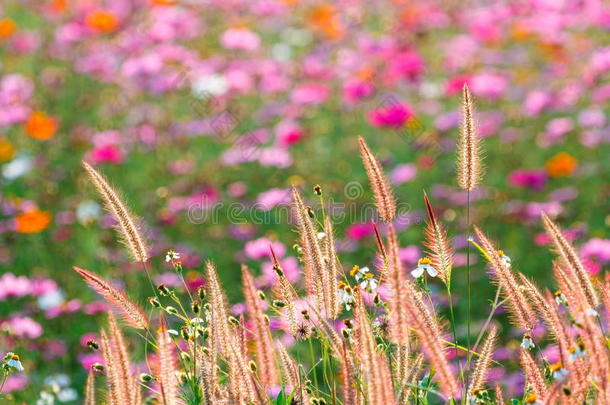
(368, 282)
(591, 312)
(321, 235)
(527, 342)
(173, 332)
(560, 298)
(15, 363)
(577, 351)
(504, 258)
(346, 295)
(358, 272)
(171, 256)
(558, 372)
(424, 265)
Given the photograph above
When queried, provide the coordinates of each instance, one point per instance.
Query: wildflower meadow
(304, 202)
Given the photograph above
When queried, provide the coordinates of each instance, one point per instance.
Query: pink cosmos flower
(403, 173)
(392, 114)
(13, 286)
(597, 249)
(290, 267)
(259, 248)
(406, 65)
(536, 101)
(288, 133)
(356, 89)
(359, 231)
(310, 94)
(15, 382)
(488, 84)
(272, 198)
(534, 179)
(25, 327)
(106, 154)
(240, 38)
(89, 359)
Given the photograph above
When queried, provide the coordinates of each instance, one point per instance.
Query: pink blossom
(356, 89)
(290, 267)
(534, 179)
(310, 94)
(410, 254)
(277, 157)
(403, 173)
(260, 248)
(15, 382)
(455, 85)
(240, 38)
(13, 286)
(96, 307)
(488, 84)
(392, 114)
(536, 101)
(106, 154)
(359, 231)
(25, 327)
(406, 65)
(272, 198)
(597, 249)
(89, 359)
(288, 133)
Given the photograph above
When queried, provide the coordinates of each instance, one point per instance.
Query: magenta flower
(597, 249)
(356, 89)
(534, 179)
(288, 133)
(106, 154)
(359, 231)
(393, 114)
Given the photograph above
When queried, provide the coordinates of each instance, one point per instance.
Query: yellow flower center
(555, 367)
(354, 270)
(15, 357)
(424, 260)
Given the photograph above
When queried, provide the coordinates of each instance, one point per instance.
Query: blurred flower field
(204, 114)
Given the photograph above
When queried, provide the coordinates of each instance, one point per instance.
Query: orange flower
(7, 150)
(561, 165)
(324, 18)
(163, 2)
(7, 28)
(102, 21)
(59, 6)
(41, 126)
(33, 221)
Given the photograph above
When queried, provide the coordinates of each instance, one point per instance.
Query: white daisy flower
(504, 258)
(15, 363)
(171, 256)
(424, 265)
(527, 342)
(558, 372)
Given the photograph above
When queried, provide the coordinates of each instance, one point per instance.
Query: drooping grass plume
(394, 278)
(167, 369)
(409, 379)
(220, 333)
(333, 267)
(127, 225)
(290, 374)
(376, 372)
(122, 386)
(438, 244)
(430, 334)
(286, 294)
(130, 312)
(571, 260)
(90, 389)
(499, 395)
(533, 375)
(261, 335)
(522, 313)
(548, 310)
(479, 377)
(469, 162)
(384, 198)
(318, 275)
